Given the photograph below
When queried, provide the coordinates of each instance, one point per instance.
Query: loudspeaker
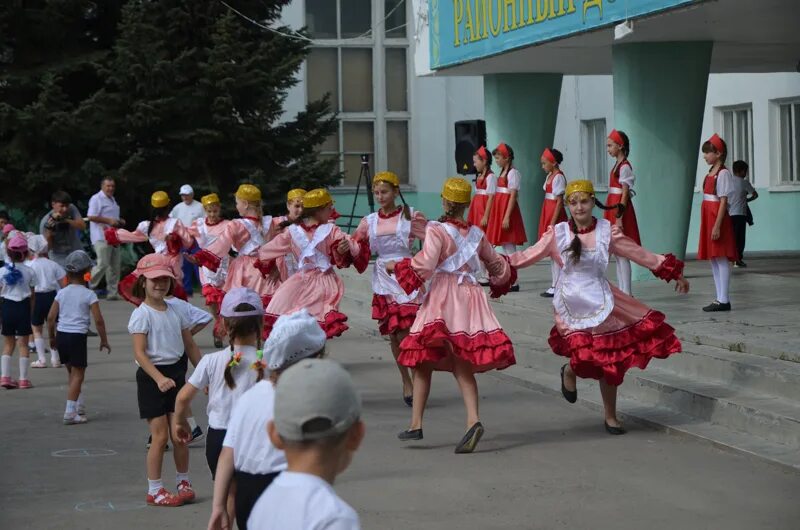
(470, 135)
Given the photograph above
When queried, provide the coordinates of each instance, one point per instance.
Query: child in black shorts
(71, 309)
(16, 290)
(161, 335)
(49, 279)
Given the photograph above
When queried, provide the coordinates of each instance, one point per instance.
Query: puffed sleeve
(626, 175)
(137, 236)
(343, 261)
(513, 179)
(491, 183)
(559, 184)
(418, 225)
(194, 231)
(359, 246)
(211, 256)
(667, 267)
(501, 274)
(411, 273)
(279, 246)
(544, 248)
(725, 187)
(180, 230)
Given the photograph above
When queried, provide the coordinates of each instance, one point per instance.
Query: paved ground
(543, 464)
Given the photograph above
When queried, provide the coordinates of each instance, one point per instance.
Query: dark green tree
(195, 93)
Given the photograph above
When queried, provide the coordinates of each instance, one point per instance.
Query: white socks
(23, 367)
(41, 351)
(624, 275)
(153, 486)
(54, 358)
(555, 272)
(72, 407)
(5, 366)
(191, 422)
(721, 269)
(509, 248)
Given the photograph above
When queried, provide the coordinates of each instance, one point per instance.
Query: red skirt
(476, 209)
(725, 246)
(629, 225)
(548, 207)
(516, 229)
(391, 316)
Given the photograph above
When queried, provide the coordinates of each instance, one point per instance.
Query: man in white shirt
(104, 213)
(187, 211)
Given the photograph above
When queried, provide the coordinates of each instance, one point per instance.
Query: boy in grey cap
(317, 424)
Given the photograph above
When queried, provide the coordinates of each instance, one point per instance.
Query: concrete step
(784, 346)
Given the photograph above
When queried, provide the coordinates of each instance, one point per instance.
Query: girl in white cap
(247, 453)
(72, 308)
(49, 276)
(227, 373)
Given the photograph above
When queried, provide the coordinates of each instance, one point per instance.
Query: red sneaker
(25, 383)
(185, 491)
(8, 383)
(164, 498)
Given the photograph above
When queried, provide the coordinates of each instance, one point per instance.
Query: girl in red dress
(601, 330)
(455, 329)
(505, 227)
(389, 234)
(620, 190)
(485, 187)
(717, 241)
(553, 206)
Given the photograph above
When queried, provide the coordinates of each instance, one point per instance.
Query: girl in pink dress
(294, 207)
(245, 234)
(455, 329)
(717, 241)
(620, 191)
(602, 331)
(389, 233)
(205, 231)
(165, 234)
(553, 206)
(485, 186)
(317, 246)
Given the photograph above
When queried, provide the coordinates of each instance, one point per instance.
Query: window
(364, 68)
(789, 144)
(593, 150)
(737, 131)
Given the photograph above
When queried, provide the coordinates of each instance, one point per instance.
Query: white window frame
(379, 115)
(729, 138)
(599, 177)
(777, 183)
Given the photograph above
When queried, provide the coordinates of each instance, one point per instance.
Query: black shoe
(616, 431)
(546, 294)
(470, 440)
(409, 400)
(569, 395)
(514, 288)
(741, 264)
(150, 442)
(484, 283)
(197, 435)
(406, 436)
(714, 307)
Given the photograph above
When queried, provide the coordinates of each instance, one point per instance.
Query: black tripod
(366, 176)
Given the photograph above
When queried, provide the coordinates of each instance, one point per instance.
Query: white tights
(555, 272)
(721, 269)
(624, 275)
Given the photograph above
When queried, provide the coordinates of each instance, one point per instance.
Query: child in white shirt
(161, 335)
(16, 289)
(49, 278)
(248, 459)
(317, 425)
(71, 309)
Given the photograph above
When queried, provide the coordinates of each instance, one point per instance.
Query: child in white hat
(49, 276)
(248, 456)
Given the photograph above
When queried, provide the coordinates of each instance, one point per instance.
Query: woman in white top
(227, 373)
(248, 454)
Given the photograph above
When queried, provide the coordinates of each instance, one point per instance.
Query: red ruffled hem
(333, 325)
(609, 356)
(406, 276)
(391, 316)
(111, 237)
(361, 261)
(213, 295)
(498, 290)
(483, 350)
(125, 289)
(207, 259)
(670, 269)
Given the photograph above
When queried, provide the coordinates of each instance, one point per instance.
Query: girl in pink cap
(161, 335)
(17, 282)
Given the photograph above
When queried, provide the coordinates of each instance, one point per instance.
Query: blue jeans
(190, 271)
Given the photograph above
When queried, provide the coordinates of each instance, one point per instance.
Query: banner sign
(463, 30)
